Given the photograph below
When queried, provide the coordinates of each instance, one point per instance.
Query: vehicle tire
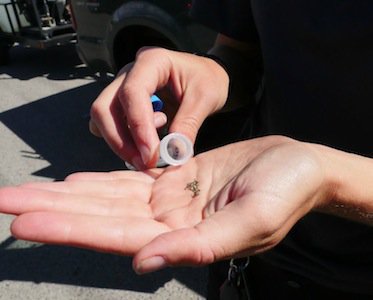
(129, 40)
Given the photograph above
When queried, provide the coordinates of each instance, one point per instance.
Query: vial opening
(175, 149)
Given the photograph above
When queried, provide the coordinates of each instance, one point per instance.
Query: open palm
(146, 214)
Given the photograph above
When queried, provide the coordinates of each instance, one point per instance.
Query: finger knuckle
(136, 124)
(212, 98)
(96, 111)
(150, 51)
(190, 124)
(127, 93)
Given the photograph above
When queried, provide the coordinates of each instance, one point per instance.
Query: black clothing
(318, 77)
(294, 286)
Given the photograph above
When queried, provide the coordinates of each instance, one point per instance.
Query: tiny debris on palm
(193, 187)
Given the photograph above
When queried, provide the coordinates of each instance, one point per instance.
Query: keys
(236, 287)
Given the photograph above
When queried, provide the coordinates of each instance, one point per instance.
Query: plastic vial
(175, 149)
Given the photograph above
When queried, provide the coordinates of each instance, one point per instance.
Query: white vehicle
(34, 23)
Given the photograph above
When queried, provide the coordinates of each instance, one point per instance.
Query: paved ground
(44, 102)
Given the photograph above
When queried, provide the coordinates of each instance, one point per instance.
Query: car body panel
(110, 32)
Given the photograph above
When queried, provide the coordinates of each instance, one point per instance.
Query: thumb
(193, 111)
(223, 235)
(180, 247)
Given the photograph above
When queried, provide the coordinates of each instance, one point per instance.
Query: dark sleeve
(232, 18)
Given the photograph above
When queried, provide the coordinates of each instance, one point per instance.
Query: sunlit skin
(251, 194)
(191, 86)
(248, 196)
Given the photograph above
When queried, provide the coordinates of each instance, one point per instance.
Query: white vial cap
(175, 149)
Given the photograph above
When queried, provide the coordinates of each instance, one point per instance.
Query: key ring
(235, 268)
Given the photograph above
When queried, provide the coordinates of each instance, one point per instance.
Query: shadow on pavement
(55, 63)
(71, 266)
(56, 127)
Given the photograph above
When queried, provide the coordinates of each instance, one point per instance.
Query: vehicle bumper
(95, 55)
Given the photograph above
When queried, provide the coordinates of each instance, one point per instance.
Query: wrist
(348, 184)
(219, 63)
(217, 59)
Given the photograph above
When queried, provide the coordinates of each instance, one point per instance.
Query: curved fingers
(123, 236)
(22, 200)
(113, 175)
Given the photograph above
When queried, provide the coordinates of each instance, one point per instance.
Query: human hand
(251, 194)
(193, 87)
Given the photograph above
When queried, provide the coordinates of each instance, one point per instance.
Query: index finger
(108, 117)
(145, 78)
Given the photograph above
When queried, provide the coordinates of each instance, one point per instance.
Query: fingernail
(145, 154)
(137, 163)
(160, 120)
(150, 265)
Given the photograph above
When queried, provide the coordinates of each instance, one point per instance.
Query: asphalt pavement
(45, 97)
